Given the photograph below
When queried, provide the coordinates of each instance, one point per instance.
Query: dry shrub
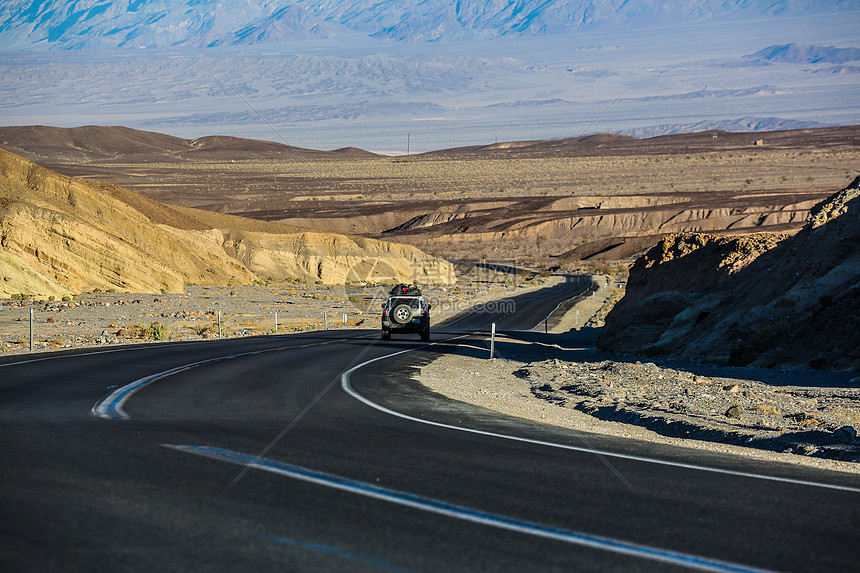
(154, 331)
(206, 330)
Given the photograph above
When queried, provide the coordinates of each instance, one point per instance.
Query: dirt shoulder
(801, 417)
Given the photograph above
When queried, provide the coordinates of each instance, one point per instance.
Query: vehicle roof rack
(405, 290)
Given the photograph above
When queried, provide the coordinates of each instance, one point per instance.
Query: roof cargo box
(405, 290)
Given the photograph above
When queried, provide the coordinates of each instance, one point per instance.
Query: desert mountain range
(762, 299)
(370, 73)
(60, 235)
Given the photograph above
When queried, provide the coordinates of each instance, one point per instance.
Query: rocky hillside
(60, 236)
(765, 299)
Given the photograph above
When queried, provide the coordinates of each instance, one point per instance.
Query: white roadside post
(493, 341)
(325, 321)
(219, 324)
(31, 329)
(276, 322)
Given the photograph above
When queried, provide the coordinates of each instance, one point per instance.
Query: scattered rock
(734, 412)
(735, 388)
(807, 449)
(846, 434)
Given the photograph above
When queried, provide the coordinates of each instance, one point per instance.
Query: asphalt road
(316, 452)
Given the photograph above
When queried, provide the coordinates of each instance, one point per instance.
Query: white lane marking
(466, 514)
(345, 384)
(111, 408)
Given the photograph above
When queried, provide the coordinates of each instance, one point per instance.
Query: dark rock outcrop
(764, 299)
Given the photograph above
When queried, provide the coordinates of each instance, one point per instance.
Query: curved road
(316, 452)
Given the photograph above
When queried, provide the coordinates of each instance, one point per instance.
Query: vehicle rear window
(412, 302)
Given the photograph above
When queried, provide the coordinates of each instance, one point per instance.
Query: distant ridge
(58, 146)
(106, 142)
(622, 144)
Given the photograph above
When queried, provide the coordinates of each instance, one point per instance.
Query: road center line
(111, 408)
(347, 387)
(465, 514)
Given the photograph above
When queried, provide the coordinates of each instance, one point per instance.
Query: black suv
(406, 312)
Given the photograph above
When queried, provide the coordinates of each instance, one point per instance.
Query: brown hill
(607, 144)
(92, 142)
(60, 236)
(763, 299)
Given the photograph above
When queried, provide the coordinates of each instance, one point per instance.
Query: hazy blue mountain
(806, 54)
(744, 124)
(75, 24)
(428, 20)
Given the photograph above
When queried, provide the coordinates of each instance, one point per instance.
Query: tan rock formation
(60, 236)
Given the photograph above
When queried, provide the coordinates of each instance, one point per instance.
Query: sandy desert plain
(581, 205)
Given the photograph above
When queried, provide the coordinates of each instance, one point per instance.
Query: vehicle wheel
(401, 314)
(425, 335)
(386, 335)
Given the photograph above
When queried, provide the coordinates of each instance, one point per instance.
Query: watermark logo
(368, 284)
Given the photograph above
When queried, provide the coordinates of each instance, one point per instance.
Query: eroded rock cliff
(764, 299)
